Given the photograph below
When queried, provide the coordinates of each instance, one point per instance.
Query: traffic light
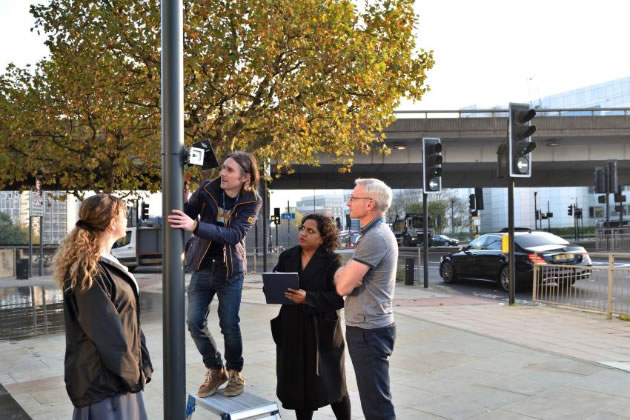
(599, 180)
(520, 144)
(144, 211)
(431, 164)
(472, 202)
(613, 184)
(570, 212)
(479, 198)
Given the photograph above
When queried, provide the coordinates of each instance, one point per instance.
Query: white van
(140, 246)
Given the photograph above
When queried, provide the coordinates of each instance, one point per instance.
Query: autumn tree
(284, 79)
(10, 234)
(410, 201)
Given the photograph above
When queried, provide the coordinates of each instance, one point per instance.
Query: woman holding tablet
(309, 342)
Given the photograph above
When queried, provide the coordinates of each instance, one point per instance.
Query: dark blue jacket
(203, 206)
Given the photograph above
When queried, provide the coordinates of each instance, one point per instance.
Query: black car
(483, 259)
(443, 240)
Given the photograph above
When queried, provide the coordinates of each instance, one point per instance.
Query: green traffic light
(525, 148)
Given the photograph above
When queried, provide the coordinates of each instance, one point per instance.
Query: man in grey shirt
(368, 281)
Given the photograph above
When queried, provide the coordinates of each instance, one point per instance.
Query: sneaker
(213, 380)
(235, 385)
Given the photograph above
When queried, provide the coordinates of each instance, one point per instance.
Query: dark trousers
(369, 350)
(204, 285)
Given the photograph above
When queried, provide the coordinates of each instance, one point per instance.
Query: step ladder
(244, 406)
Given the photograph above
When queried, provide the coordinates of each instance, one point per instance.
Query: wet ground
(33, 311)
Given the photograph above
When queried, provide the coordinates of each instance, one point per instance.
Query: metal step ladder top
(244, 406)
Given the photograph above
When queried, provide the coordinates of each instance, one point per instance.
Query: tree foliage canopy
(10, 234)
(284, 79)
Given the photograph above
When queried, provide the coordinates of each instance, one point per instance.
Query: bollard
(409, 266)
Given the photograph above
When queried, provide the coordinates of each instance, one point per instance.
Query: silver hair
(378, 191)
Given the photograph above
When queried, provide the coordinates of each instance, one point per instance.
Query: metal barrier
(613, 240)
(604, 289)
(254, 260)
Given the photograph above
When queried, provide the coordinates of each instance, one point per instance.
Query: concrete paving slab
(569, 403)
(454, 358)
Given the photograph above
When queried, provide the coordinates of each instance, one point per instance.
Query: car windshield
(530, 240)
(123, 241)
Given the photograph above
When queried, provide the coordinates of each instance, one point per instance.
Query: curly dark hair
(327, 229)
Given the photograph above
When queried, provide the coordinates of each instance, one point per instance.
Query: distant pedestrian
(368, 281)
(107, 362)
(310, 361)
(219, 214)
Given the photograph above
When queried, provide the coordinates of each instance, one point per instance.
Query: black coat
(106, 353)
(309, 342)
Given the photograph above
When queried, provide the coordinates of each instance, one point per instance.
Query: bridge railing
(604, 289)
(499, 113)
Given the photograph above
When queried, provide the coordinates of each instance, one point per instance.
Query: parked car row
(483, 259)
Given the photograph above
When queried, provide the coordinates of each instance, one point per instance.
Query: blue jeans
(204, 285)
(369, 350)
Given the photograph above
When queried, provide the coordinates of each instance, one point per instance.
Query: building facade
(60, 214)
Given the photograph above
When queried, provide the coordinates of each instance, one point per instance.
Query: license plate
(563, 257)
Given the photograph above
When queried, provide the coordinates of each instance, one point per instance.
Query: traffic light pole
(265, 218)
(512, 266)
(288, 224)
(535, 212)
(425, 251)
(174, 354)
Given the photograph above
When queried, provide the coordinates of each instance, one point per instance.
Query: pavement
(456, 357)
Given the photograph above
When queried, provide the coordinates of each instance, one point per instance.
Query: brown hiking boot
(213, 380)
(235, 385)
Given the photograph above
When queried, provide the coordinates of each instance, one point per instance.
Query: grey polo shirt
(370, 305)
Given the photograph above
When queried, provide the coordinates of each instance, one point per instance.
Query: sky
(488, 52)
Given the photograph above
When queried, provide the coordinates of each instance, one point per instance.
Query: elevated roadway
(570, 144)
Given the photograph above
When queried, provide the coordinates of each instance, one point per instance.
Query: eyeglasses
(352, 198)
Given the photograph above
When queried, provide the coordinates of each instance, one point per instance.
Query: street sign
(476, 220)
(37, 204)
(288, 215)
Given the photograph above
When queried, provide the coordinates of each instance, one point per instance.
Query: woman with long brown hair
(106, 362)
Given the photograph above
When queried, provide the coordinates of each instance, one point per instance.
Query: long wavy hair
(327, 229)
(76, 259)
(248, 165)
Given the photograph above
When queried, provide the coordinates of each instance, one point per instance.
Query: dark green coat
(309, 343)
(106, 354)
